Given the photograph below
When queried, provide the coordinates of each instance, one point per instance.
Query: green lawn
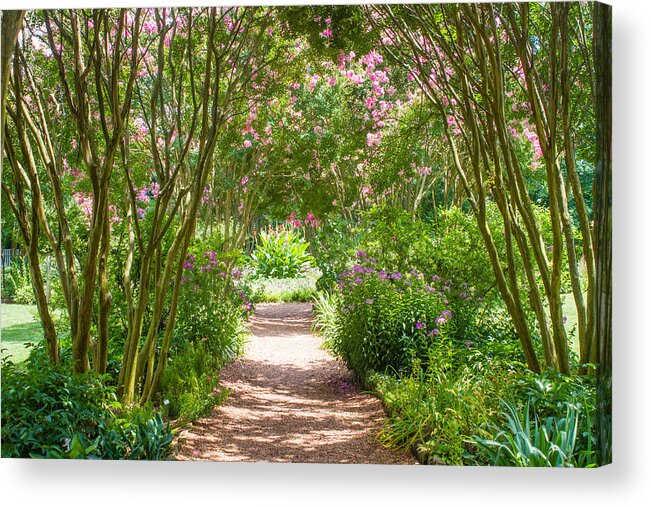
(19, 325)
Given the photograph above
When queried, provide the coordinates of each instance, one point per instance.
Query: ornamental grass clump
(529, 441)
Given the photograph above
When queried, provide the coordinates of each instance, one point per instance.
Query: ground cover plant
(434, 179)
(49, 412)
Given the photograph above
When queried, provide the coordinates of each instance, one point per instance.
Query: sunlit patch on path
(290, 402)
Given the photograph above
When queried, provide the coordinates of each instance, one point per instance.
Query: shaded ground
(290, 402)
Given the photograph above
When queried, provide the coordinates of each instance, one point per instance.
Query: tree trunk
(104, 303)
(603, 229)
(12, 22)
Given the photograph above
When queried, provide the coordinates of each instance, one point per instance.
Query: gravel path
(290, 401)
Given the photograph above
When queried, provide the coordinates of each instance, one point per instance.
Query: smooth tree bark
(98, 64)
(198, 64)
(26, 199)
(12, 22)
(95, 85)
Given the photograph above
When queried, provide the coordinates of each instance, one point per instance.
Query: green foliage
(151, 436)
(452, 411)
(17, 283)
(528, 441)
(349, 31)
(333, 247)
(210, 330)
(281, 253)
(213, 306)
(48, 412)
(190, 382)
(433, 411)
(385, 320)
(550, 393)
(276, 290)
(325, 310)
(460, 250)
(398, 241)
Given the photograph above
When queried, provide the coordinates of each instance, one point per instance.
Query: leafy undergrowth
(473, 417)
(48, 412)
(451, 373)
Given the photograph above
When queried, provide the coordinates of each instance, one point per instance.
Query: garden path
(290, 401)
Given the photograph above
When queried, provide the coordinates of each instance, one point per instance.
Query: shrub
(213, 306)
(451, 412)
(281, 253)
(434, 411)
(385, 320)
(460, 251)
(190, 383)
(210, 330)
(461, 254)
(398, 241)
(48, 412)
(333, 245)
(17, 283)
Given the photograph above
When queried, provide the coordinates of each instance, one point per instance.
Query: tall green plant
(527, 442)
(281, 253)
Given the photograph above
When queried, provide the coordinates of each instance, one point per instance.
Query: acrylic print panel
(317, 234)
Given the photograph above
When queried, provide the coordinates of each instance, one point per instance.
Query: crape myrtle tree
(114, 116)
(332, 133)
(204, 66)
(311, 137)
(86, 84)
(503, 79)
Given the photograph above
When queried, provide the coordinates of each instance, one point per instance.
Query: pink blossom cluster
(327, 31)
(140, 130)
(363, 71)
(85, 202)
(309, 221)
(455, 123)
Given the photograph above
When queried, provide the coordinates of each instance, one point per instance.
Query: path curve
(290, 401)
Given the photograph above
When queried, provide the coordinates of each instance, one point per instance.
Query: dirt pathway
(290, 402)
